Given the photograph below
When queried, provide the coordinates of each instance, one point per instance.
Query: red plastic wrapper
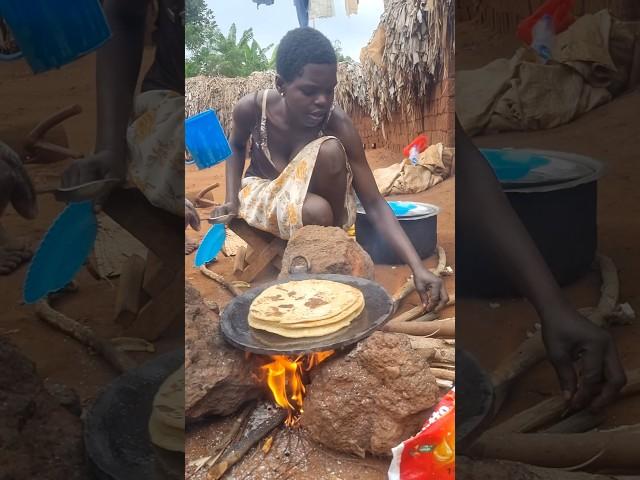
(421, 142)
(431, 454)
(560, 11)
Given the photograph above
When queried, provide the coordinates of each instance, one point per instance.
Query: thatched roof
(408, 55)
(419, 39)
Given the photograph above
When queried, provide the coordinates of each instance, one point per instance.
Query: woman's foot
(12, 256)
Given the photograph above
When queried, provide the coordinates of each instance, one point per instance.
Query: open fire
(284, 376)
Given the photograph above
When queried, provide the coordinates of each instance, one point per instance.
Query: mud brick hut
(403, 85)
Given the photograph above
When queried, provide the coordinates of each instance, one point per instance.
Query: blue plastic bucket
(205, 139)
(51, 34)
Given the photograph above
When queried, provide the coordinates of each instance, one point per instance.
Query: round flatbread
(166, 424)
(305, 301)
(301, 331)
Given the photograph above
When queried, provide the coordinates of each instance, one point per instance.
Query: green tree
(233, 57)
(337, 46)
(200, 24)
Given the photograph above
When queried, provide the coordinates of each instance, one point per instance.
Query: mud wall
(504, 16)
(436, 119)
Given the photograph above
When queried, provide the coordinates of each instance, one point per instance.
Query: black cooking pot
(559, 210)
(418, 220)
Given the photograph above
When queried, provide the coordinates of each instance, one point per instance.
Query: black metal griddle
(116, 433)
(235, 326)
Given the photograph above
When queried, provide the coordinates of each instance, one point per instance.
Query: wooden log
(551, 409)
(120, 361)
(161, 311)
(130, 296)
(580, 422)
(239, 261)
(443, 374)
(467, 469)
(532, 350)
(441, 328)
(595, 450)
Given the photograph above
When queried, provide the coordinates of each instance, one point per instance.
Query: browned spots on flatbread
(288, 305)
(315, 302)
(275, 298)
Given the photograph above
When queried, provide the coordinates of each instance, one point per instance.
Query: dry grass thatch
(419, 38)
(414, 45)
(222, 93)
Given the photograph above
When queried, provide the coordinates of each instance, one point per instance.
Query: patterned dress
(275, 206)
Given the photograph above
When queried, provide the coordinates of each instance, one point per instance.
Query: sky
(271, 22)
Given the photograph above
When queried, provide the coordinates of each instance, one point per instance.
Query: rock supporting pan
(236, 330)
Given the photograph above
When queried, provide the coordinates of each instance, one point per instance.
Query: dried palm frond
(222, 93)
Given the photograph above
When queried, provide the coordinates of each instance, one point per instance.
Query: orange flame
(284, 378)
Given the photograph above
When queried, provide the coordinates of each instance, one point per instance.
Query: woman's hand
(227, 208)
(430, 288)
(598, 376)
(102, 165)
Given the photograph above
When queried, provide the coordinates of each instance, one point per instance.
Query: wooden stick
(444, 383)
(552, 408)
(532, 350)
(239, 423)
(416, 313)
(117, 359)
(200, 201)
(244, 445)
(442, 328)
(443, 374)
(41, 129)
(221, 280)
(408, 315)
(503, 470)
(409, 286)
(597, 450)
(580, 422)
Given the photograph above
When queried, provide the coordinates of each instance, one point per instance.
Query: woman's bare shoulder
(246, 110)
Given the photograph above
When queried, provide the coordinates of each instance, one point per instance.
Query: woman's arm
(485, 216)
(244, 115)
(117, 69)
(430, 287)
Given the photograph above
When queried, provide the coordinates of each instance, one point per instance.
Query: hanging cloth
(321, 9)
(351, 6)
(302, 7)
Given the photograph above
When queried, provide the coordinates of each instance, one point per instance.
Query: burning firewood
(252, 437)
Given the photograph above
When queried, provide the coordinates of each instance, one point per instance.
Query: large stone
(218, 377)
(38, 437)
(371, 399)
(328, 250)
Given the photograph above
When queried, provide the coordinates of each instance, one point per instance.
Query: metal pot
(418, 220)
(559, 210)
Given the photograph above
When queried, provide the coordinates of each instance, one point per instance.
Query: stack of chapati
(306, 308)
(167, 425)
